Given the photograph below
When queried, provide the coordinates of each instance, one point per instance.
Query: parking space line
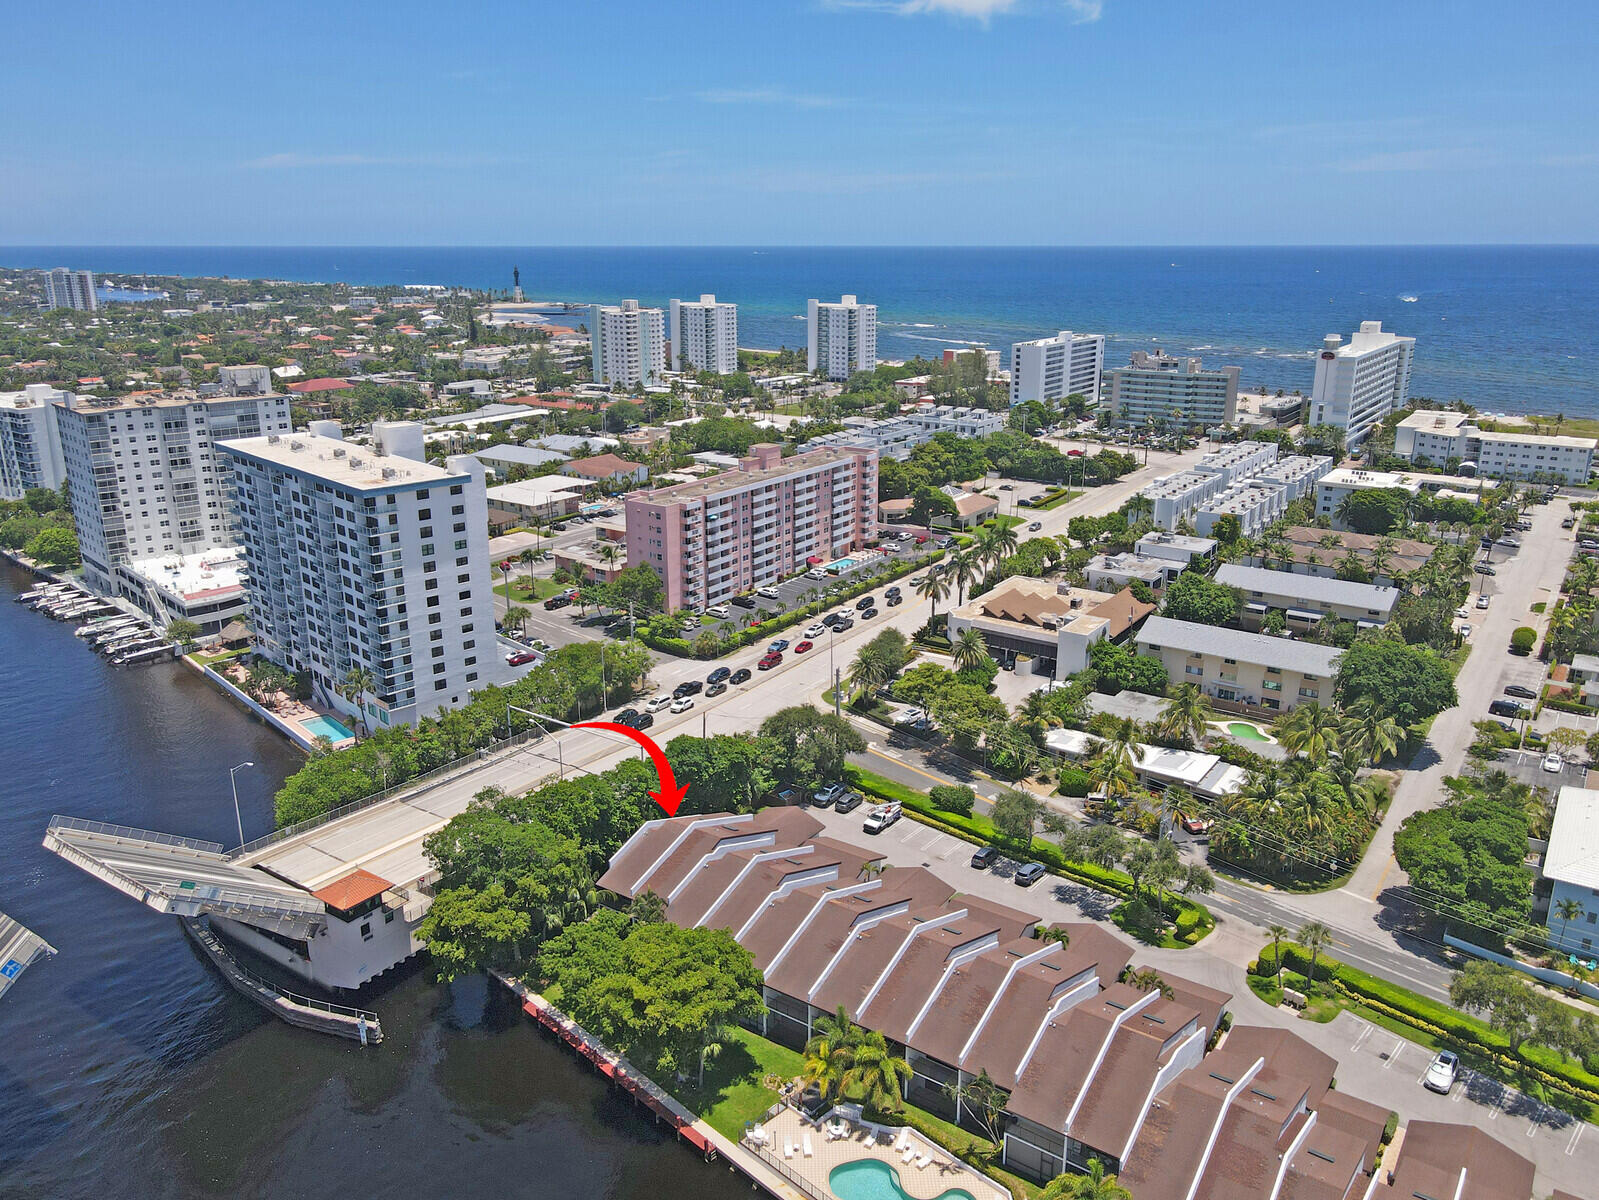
(1394, 1054)
(1365, 1032)
(1576, 1136)
(1499, 1102)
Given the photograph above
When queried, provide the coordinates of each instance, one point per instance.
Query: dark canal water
(128, 1069)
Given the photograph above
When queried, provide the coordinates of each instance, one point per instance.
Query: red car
(803, 647)
(517, 660)
(770, 661)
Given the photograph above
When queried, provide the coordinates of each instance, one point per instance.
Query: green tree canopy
(1408, 683)
(1194, 597)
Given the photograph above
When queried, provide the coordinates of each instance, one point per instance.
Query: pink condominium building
(717, 537)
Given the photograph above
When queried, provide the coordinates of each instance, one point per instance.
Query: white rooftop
(537, 490)
(1321, 588)
(339, 462)
(1573, 855)
(1354, 477)
(193, 575)
(1440, 421)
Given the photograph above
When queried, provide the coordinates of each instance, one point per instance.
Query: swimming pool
(1249, 733)
(327, 727)
(872, 1180)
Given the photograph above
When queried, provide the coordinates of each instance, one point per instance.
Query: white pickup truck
(881, 817)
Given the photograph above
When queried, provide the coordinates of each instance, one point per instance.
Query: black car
(1524, 693)
(893, 591)
(692, 688)
(848, 802)
(831, 619)
(715, 689)
(1028, 875)
(865, 602)
(628, 716)
(718, 675)
(868, 614)
(894, 599)
(744, 601)
(742, 675)
(1484, 569)
(643, 721)
(555, 602)
(985, 858)
(1506, 708)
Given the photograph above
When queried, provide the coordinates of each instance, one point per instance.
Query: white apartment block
(1179, 496)
(1361, 382)
(1436, 437)
(628, 343)
(1333, 487)
(1297, 474)
(772, 517)
(1056, 367)
(30, 447)
(1160, 389)
(371, 560)
(1256, 505)
(145, 476)
(840, 338)
(1254, 669)
(71, 289)
(1241, 460)
(896, 437)
(1306, 600)
(704, 335)
(252, 379)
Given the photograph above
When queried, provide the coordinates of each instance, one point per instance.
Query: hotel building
(371, 559)
(30, 447)
(1160, 389)
(1361, 382)
(704, 335)
(772, 517)
(144, 473)
(628, 343)
(840, 338)
(1056, 367)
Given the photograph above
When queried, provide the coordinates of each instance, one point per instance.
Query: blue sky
(766, 122)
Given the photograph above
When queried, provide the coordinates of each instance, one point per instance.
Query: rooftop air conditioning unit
(338, 454)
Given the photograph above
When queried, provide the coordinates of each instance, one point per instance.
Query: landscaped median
(1565, 1083)
(1193, 920)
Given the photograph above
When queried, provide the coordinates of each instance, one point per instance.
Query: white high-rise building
(840, 338)
(144, 475)
(1056, 367)
(1359, 383)
(71, 289)
(704, 335)
(628, 342)
(30, 447)
(1162, 389)
(359, 559)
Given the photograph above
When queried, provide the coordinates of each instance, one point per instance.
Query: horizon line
(5, 246)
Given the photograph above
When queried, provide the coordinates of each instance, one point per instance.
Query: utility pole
(836, 685)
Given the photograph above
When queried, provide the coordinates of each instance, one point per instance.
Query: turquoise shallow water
(873, 1180)
(1505, 327)
(327, 727)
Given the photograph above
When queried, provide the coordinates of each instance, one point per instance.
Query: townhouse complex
(1440, 437)
(714, 538)
(361, 559)
(1361, 381)
(896, 437)
(1245, 481)
(1053, 368)
(704, 335)
(840, 338)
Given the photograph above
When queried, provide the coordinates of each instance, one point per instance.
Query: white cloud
(775, 96)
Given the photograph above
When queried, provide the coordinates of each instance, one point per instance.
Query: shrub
(1074, 781)
(1523, 639)
(953, 798)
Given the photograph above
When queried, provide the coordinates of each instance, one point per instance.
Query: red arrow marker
(670, 796)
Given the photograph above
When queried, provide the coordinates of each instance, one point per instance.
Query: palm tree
(1568, 910)
(969, 650)
(1186, 715)
(831, 1051)
(358, 681)
(1278, 933)
(1368, 734)
(516, 618)
(868, 672)
(1310, 729)
(1095, 1185)
(1313, 935)
(964, 570)
(876, 1074)
(934, 587)
(1147, 979)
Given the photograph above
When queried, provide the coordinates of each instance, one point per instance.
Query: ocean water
(1508, 328)
(130, 1071)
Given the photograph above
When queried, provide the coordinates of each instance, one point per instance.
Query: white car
(657, 703)
(1462, 612)
(816, 573)
(1553, 763)
(683, 704)
(1482, 601)
(1443, 1072)
(768, 591)
(719, 611)
(816, 631)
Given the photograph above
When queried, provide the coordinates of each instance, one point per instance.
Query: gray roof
(571, 442)
(19, 948)
(488, 410)
(1262, 648)
(526, 455)
(1321, 588)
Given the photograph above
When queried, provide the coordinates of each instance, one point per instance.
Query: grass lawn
(1063, 498)
(211, 660)
(541, 587)
(733, 1091)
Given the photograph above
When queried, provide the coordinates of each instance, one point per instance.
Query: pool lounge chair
(923, 1159)
(810, 1150)
(904, 1138)
(788, 1148)
(910, 1153)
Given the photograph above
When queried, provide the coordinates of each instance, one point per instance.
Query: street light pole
(234, 784)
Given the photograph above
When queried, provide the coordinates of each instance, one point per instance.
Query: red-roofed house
(606, 468)
(321, 385)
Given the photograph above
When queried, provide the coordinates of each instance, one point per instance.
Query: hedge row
(1570, 706)
(1193, 920)
(1440, 1021)
(748, 636)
